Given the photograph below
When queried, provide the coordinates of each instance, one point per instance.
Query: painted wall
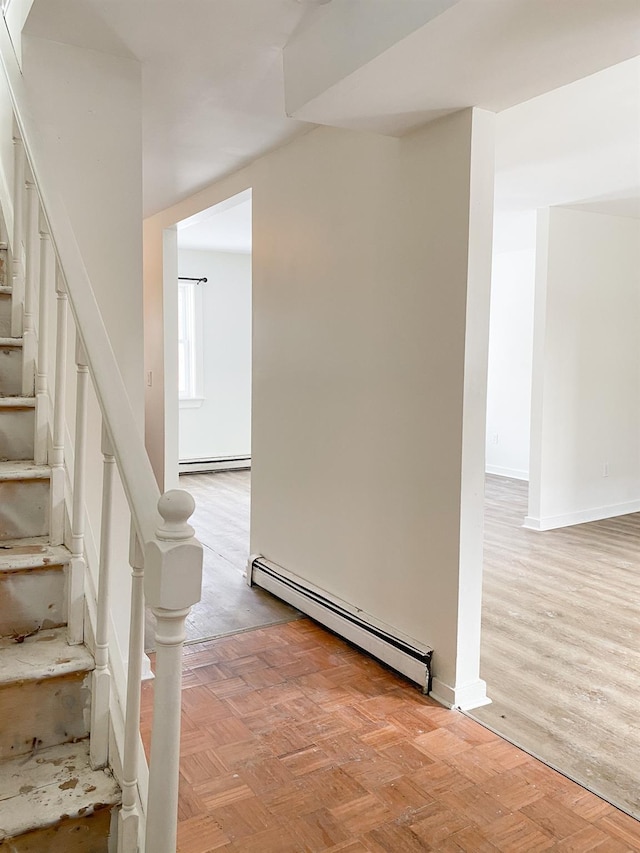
(511, 345)
(82, 102)
(367, 482)
(221, 426)
(585, 453)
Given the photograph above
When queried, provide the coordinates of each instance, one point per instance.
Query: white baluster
(17, 270)
(128, 818)
(173, 580)
(42, 377)
(32, 257)
(77, 564)
(101, 675)
(56, 461)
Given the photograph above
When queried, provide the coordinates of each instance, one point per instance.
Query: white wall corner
(464, 697)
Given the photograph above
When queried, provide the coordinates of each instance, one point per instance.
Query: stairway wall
(87, 106)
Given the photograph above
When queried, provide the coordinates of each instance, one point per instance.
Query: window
(189, 345)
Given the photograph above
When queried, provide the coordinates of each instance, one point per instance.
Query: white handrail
(135, 469)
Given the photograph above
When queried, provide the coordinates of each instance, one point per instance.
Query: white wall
(221, 426)
(87, 106)
(586, 391)
(367, 253)
(511, 345)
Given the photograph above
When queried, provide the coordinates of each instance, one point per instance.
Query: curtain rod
(189, 278)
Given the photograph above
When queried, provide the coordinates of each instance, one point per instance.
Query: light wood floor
(221, 523)
(294, 742)
(561, 642)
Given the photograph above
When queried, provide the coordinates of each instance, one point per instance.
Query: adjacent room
(213, 299)
(561, 603)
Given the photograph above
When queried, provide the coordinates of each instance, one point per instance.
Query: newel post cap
(173, 560)
(176, 507)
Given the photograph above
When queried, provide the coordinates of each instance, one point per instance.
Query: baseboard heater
(355, 626)
(221, 463)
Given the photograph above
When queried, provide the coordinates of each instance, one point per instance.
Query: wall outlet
(494, 438)
(149, 378)
(605, 469)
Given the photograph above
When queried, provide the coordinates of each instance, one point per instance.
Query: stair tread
(17, 402)
(44, 655)
(11, 342)
(6, 288)
(37, 791)
(31, 554)
(23, 470)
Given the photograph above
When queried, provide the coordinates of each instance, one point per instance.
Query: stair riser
(44, 713)
(32, 600)
(16, 433)
(88, 834)
(5, 314)
(10, 371)
(24, 508)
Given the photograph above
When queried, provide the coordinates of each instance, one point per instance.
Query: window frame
(190, 341)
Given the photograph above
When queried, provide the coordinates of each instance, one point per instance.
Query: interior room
(214, 426)
(561, 605)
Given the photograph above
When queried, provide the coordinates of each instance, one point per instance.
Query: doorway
(208, 280)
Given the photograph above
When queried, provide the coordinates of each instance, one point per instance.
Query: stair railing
(165, 558)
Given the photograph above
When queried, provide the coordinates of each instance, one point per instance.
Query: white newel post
(17, 270)
(56, 461)
(75, 582)
(42, 379)
(32, 258)
(101, 676)
(173, 581)
(128, 818)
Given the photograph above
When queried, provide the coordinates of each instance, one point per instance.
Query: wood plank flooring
(561, 642)
(294, 742)
(221, 522)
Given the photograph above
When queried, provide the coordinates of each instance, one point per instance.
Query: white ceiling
(577, 145)
(223, 228)
(214, 87)
(487, 53)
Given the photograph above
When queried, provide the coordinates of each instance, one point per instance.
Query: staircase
(78, 563)
(51, 799)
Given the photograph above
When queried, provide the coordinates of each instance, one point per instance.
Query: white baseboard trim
(383, 642)
(512, 473)
(205, 466)
(465, 697)
(581, 516)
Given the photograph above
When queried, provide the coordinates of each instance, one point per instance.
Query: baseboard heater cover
(222, 463)
(400, 654)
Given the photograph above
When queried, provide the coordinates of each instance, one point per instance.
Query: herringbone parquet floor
(293, 742)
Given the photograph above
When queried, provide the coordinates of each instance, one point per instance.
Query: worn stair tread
(17, 402)
(10, 342)
(20, 554)
(6, 288)
(38, 791)
(23, 470)
(44, 655)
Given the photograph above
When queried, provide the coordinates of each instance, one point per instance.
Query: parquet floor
(293, 742)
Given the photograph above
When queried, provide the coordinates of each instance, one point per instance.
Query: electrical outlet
(149, 378)
(494, 438)
(605, 469)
